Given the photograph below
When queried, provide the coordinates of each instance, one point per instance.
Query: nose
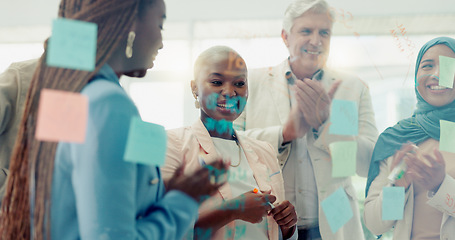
(435, 74)
(228, 91)
(315, 39)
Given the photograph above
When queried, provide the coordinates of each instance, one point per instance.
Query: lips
(225, 105)
(312, 52)
(434, 87)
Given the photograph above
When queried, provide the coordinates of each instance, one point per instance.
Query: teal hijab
(423, 124)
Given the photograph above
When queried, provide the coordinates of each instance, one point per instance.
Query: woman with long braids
(87, 191)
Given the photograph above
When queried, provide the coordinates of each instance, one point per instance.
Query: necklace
(240, 151)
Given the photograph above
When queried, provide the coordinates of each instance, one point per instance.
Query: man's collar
(290, 76)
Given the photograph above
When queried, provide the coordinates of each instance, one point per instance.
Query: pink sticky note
(62, 116)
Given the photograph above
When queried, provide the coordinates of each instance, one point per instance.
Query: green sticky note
(337, 209)
(72, 44)
(146, 143)
(446, 71)
(344, 118)
(343, 158)
(447, 136)
(392, 203)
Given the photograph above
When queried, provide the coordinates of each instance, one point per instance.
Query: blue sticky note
(146, 143)
(72, 44)
(447, 136)
(344, 118)
(337, 209)
(446, 71)
(392, 203)
(343, 156)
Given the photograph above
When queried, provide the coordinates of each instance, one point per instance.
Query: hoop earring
(129, 44)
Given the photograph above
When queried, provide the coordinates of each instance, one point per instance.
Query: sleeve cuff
(443, 199)
(189, 205)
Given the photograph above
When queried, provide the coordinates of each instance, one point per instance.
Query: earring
(129, 44)
(196, 102)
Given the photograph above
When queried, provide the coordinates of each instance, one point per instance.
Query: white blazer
(267, 110)
(443, 200)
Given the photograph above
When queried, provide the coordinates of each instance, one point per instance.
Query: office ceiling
(41, 12)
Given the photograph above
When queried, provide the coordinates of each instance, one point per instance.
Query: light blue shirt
(98, 195)
(299, 180)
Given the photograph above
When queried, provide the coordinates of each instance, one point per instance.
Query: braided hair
(32, 161)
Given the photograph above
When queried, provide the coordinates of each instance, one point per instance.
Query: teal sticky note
(146, 143)
(446, 71)
(392, 203)
(344, 118)
(343, 156)
(337, 209)
(72, 44)
(447, 136)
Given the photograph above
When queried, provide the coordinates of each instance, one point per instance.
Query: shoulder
(106, 92)
(260, 147)
(347, 78)
(270, 72)
(20, 71)
(108, 102)
(179, 136)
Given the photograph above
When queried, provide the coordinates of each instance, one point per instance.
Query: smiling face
(221, 85)
(428, 77)
(148, 38)
(308, 43)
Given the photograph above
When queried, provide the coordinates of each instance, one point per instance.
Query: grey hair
(211, 53)
(299, 7)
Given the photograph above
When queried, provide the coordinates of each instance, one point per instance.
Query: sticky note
(447, 136)
(344, 118)
(62, 116)
(446, 71)
(337, 209)
(72, 44)
(146, 143)
(392, 203)
(343, 156)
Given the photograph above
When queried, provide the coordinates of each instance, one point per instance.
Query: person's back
(14, 84)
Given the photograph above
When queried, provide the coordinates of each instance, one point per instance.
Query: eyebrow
(216, 74)
(427, 60)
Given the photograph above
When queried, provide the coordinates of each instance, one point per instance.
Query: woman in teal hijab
(428, 183)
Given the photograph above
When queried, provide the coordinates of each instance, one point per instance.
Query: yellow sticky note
(62, 116)
(447, 136)
(343, 158)
(446, 71)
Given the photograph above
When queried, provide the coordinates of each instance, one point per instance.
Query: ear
(284, 36)
(194, 88)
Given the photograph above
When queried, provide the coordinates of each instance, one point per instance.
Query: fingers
(284, 214)
(439, 158)
(305, 92)
(269, 198)
(399, 155)
(334, 88)
(179, 171)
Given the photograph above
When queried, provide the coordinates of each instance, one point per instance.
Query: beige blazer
(267, 110)
(443, 200)
(188, 143)
(14, 84)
